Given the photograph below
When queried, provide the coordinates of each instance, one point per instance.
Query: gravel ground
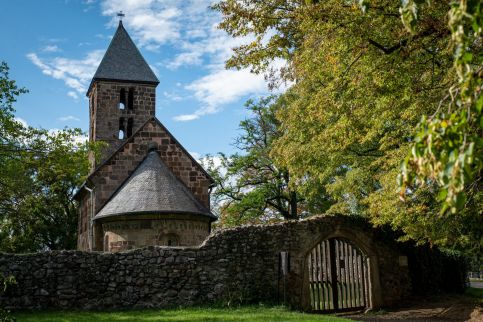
(441, 308)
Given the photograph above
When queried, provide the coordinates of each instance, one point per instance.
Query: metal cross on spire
(120, 15)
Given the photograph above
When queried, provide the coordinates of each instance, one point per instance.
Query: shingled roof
(153, 189)
(123, 62)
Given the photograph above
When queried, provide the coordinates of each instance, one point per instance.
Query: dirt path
(442, 308)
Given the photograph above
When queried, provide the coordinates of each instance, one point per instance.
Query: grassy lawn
(187, 314)
(475, 292)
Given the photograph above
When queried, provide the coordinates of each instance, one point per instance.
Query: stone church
(144, 188)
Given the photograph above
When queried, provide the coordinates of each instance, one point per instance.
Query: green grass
(475, 292)
(250, 313)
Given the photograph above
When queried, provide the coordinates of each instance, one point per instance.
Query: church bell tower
(121, 94)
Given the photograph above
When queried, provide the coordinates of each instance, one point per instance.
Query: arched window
(122, 131)
(129, 127)
(172, 241)
(169, 240)
(122, 99)
(130, 99)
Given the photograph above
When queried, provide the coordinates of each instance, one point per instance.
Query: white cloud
(79, 139)
(51, 49)
(186, 117)
(173, 96)
(68, 118)
(184, 59)
(195, 155)
(73, 95)
(76, 73)
(151, 22)
(21, 121)
(222, 87)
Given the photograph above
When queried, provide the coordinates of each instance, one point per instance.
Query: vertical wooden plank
(324, 275)
(355, 255)
(340, 280)
(347, 274)
(359, 281)
(342, 274)
(319, 272)
(329, 277)
(313, 280)
(361, 272)
(333, 270)
(330, 305)
(309, 265)
(350, 298)
(366, 282)
(314, 273)
(355, 277)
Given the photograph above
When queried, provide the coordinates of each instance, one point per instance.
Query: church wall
(236, 265)
(117, 169)
(130, 234)
(85, 206)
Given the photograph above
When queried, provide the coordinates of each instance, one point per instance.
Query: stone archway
(338, 276)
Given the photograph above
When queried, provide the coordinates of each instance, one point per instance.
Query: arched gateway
(338, 274)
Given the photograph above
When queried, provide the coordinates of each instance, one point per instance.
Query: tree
(448, 147)
(251, 187)
(363, 79)
(39, 172)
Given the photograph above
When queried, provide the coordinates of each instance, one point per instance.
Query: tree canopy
(377, 83)
(250, 187)
(39, 173)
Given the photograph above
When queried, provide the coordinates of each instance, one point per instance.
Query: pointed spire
(123, 62)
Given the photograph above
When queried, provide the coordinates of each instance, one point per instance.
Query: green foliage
(251, 187)
(5, 282)
(366, 73)
(39, 173)
(448, 145)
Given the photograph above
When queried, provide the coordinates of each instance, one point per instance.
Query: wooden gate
(338, 277)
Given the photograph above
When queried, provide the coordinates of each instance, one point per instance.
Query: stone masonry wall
(118, 168)
(233, 264)
(105, 113)
(130, 234)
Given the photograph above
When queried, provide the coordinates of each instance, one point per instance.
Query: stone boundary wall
(239, 264)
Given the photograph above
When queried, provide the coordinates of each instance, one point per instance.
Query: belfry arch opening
(122, 129)
(130, 123)
(122, 99)
(130, 99)
(339, 277)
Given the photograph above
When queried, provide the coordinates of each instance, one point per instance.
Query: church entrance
(338, 277)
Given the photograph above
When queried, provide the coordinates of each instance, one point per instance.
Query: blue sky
(54, 47)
